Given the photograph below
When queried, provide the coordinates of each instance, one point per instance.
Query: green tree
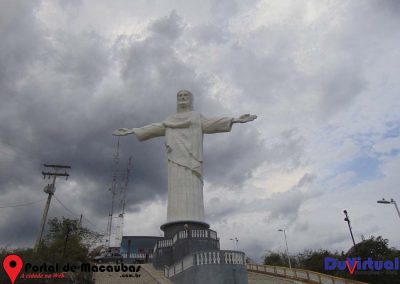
(314, 260)
(66, 242)
(376, 248)
(274, 258)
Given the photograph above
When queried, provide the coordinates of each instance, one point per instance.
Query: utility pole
(233, 243)
(50, 189)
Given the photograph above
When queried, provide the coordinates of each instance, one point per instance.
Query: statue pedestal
(171, 228)
(190, 250)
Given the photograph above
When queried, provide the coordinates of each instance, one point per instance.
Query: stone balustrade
(184, 235)
(140, 256)
(199, 233)
(163, 244)
(206, 258)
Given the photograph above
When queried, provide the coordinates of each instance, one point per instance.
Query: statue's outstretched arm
(244, 118)
(123, 131)
(143, 133)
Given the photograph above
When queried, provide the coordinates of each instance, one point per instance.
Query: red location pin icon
(12, 264)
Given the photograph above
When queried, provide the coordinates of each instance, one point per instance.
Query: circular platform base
(171, 228)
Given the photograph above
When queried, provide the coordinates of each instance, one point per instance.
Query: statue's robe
(184, 143)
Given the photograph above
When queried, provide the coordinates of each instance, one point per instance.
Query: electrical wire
(66, 208)
(23, 204)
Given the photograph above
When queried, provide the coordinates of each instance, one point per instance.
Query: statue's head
(184, 101)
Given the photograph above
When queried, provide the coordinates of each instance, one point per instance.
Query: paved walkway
(150, 275)
(260, 278)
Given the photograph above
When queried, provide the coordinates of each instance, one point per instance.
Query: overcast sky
(322, 76)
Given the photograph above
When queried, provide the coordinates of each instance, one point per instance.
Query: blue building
(138, 249)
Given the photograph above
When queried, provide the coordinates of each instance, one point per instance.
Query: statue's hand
(122, 132)
(245, 118)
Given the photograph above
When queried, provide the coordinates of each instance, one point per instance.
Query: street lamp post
(347, 219)
(237, 241)
(233, 243)
(384, 201)
(287, 249)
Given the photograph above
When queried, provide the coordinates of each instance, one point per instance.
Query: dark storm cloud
(21, 39)
(20, 229)
(65, 110)
(210, 34)
(287, 151)
(286, 205)
(268, 62)
(169, 28)
(229, 166)
(160, 64)
(20, 47)
(230, 158)
(302, 227)
(64, 89)
(256, 249)
(280, 206)
(82, 58)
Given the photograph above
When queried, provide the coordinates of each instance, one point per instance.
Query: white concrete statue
(184, 142)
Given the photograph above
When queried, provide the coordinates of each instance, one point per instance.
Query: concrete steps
(157, 274)
(148, 275)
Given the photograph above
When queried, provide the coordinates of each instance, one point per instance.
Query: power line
(23, 204)
(65, 207)
(70, 211)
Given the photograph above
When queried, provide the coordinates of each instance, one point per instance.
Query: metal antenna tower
(119, 228)
(113, 190)
(50, 189)
(128, 172)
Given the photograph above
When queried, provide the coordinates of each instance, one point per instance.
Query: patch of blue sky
(365, 167)
(394, 152)
(366, 140)
(352, 172)
(394, 129)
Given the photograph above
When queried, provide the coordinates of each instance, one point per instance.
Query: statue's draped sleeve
(216, 124)
(149, 131)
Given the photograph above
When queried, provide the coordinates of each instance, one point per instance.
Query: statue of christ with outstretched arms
(183, 133)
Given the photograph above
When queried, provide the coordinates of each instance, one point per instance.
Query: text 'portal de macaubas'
(183, 132)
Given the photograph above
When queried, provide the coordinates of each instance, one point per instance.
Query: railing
(137, 255)
(141, 255)
(213, 235)
(162, 244)
(219, 257)
(300, 274)
(184, 235)
(205, 258)
(199, 233)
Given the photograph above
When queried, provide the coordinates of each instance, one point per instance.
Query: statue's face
(184, 100)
